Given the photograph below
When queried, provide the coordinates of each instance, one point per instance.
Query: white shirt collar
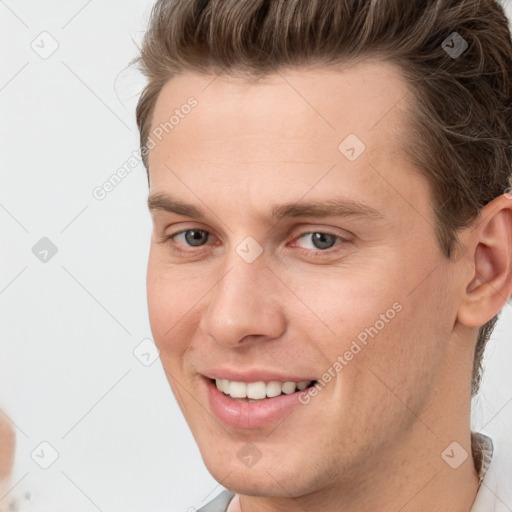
(495, 471)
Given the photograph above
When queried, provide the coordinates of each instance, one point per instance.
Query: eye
(192, 237)
(320, 240)
(317, 243)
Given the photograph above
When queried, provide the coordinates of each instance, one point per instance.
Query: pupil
(323, 240)
(198, 236)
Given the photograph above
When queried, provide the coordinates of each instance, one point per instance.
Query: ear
(489, 282)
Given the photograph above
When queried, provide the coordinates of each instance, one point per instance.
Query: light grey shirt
(219, 504)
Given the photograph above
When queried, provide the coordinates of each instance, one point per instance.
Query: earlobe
(490, 283)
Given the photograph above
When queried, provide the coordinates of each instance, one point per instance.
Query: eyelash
(318, 253)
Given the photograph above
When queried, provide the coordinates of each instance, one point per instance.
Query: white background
(68, 374)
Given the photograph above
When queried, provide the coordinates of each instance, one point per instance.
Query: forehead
(289, 126)
(355, 96)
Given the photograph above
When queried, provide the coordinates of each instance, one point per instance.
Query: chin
(264, 478)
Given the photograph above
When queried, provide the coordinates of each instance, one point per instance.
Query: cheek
(373, 315)
(405, 358)
(343, 303)
(162, 305)
(176, 299)
(169, 299)
(171, 314)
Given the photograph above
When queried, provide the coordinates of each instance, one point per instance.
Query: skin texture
(372, 438)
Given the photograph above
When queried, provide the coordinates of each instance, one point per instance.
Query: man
(329, 187)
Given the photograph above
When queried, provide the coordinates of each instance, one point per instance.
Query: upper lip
(253, 375)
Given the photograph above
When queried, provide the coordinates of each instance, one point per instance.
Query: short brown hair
(460, 120)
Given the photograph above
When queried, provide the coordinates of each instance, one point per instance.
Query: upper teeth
(259, 390)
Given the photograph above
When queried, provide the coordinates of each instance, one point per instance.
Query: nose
(244, 304)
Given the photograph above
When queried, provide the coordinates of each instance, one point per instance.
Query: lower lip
(243, 414)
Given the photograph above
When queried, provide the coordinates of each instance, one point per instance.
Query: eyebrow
(333, 207)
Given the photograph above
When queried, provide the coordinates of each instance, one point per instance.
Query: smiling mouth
(259, 391)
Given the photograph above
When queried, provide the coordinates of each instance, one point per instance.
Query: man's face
(242, 295)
